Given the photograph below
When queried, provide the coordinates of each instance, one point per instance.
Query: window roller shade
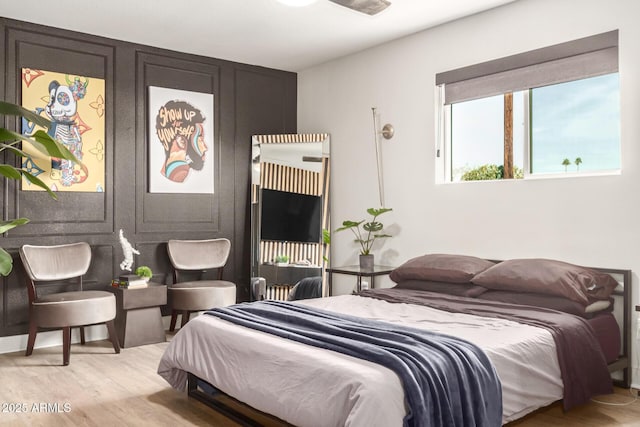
(574, 60)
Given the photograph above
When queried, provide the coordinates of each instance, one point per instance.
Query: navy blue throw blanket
(447, 381)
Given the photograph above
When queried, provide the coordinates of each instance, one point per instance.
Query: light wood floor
(101, 388)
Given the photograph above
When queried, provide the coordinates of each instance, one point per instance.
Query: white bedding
(308, 386)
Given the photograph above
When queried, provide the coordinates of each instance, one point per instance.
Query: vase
(366, 262)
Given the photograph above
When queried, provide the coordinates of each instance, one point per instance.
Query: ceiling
(257, 32)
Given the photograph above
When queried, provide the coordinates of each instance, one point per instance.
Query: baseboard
(45, 339)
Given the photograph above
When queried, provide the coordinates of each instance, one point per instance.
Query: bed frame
(231, 408)
(623, 317)
(246, 415)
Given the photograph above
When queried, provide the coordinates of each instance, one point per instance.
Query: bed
(448, 295)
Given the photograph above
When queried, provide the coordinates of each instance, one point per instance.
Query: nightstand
(355, 270)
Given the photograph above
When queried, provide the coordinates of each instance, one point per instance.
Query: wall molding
(248, 100)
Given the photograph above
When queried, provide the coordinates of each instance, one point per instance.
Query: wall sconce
(387, 132)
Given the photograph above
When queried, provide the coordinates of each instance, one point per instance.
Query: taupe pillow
(548, 301)
(545, 276)
(468, 290)
(441, 268)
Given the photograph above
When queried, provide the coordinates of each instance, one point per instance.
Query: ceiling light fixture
(297, 3)
(370, 7)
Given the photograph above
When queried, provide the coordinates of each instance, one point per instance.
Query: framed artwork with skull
(181, 135)
(76, 107)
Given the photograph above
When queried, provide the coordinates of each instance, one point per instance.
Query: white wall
(590, 221)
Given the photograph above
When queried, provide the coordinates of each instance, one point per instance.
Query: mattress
(309, 386)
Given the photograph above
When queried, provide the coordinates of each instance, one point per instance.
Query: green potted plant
(326, 241)
(282, 260)
(365, 237)
(144, 272)
(9, 141)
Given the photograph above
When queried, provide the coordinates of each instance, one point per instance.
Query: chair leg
(33, 331)
(66, 345)
(174, 318)
(112, 335)
(82, 335)
(185, 318)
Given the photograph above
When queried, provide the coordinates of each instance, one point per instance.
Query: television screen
(290, 217)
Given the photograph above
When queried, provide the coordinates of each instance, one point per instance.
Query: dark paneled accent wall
(248, 100)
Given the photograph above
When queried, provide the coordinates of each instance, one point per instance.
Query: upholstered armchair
(198, 256)
(64, 265)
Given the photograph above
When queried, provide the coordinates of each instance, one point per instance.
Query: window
(575, 126)
(547, 112)
(477, 127)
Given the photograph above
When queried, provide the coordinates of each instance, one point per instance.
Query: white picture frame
(181, 141)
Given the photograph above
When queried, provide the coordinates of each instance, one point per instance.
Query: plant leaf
(349, 224)
(10, 172)
(376, 212)
(6, 262)
(373, 226)
(8, 135)
(15, 150)
(8, 225)
(41, 141)
(14, 173)
(37, 181)
(9, 109)
(377, 236)
(53, 147)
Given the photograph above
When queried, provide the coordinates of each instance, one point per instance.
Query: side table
(138, 316)
(355, 270)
